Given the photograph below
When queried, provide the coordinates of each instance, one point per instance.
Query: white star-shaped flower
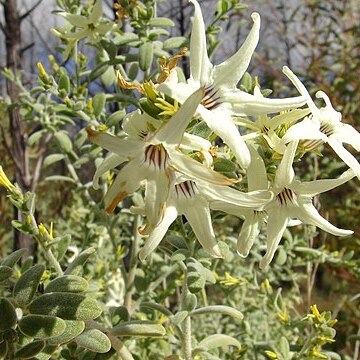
(324, 124)
(222, 98)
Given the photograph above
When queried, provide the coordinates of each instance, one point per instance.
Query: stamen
(157, 157)
(286, 197)
(210, 100)
(186, 189)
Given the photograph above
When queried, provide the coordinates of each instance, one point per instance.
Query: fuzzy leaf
(13, 258)
(67, 283)
(73, 329)
(25, 288)
(68, 306)
(219, 309)
(5, 272)
(76, 267)
(138, 328)
(30, 350)
(215, 341)
(63, 140)
(146, 52)
(98, 103)
(42, 326)
(53, 158)
(94, 340)
(8, 314)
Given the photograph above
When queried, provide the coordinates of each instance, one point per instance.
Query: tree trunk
(19, 154)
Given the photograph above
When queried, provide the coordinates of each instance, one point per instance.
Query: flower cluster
(162, 151)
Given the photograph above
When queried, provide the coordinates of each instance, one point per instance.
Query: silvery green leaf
(25, 288)
(30, 350)
(8, 314)
(179, 317)
(13, 258)
(35, 137)
(67, 283)
(42, 326)
(60, 178)
(63, 140)
(99, 101)
(138, 328)
(218, 309)
(76, 267)
(215, 341)
(5, 272)
(190, 302)
(161, 21)
(94, 340)
(174, 43)
(73, 329)
(53, 158)
(224, 165)
(146, 52)
(62, 245)
(68, 306)
(64, 83)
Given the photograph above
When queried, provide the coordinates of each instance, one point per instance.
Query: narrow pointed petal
(254, 200)
(77, 35)
(301, 89)
(200, 65)
(156, 194)
(173, 131)
(249, 233)
(221, 123)
(307, 129)
(231, 71)
(312, 188)
(158, 233)
(345, 156)
(276, 226)
(288, 116)
(193, 142)
(309, 215)
(121, 146)
(285, 172)
(230, 209)
(199, 218)
(195, 170)
(256, 172)
(110, 162)
(179, 92)
(126, 182)
(248, 104)
(75, 20)
(96, 12)
(345, 133)
(136, 124)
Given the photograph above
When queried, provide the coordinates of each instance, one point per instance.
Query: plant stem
(133, 265)
(186, 325)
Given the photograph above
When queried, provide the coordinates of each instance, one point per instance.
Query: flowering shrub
(188, 162)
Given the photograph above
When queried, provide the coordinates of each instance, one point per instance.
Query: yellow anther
(42, 72)
(229, 280)
(271, 355)
(150, 90)
(168, 108)
(284, 316)
(5, 182)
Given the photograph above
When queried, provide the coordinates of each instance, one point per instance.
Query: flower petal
(285, 172)
(248, 104)
(249, 233)
(125, 147)
(195, 170)
(158, 233)
(173, 131)
(231, 71)
(345, 133)
(221, 123)
(301, 89)
(308, 214)
(199, 218)
(126, 182)
(75, 20)
(307, 129)
(256, 172)
(276, 226)
(345, 156)
(194, 142)
(136, 124)
(156, 194)
(200, 65)
(110, 162)
(312, 188)
(96, 12)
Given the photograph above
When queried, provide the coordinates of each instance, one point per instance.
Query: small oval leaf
(30, 350)
(42, 326)
(13, 258)
(73, 329)
(8, 314)
(77, 266)
(26, 286)
(68, 306)
(63, 140)
(146, 53)
(53, 158)
(138, 328)
(219, 309)
(5, 272)
(98, 103)
(215, 341)
(67, 283)
(94, 340)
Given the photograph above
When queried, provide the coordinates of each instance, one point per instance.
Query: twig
(25, 15)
